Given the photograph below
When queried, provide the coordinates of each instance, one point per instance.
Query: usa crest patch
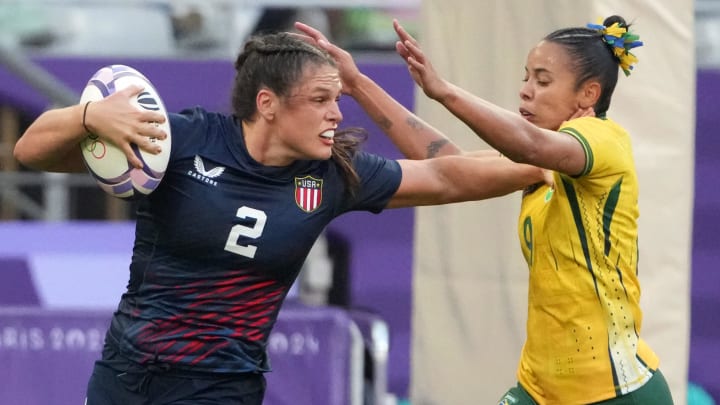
(308, 193)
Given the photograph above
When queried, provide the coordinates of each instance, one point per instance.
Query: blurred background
(65, 245)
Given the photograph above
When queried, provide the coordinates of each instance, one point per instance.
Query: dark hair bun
(615, 19)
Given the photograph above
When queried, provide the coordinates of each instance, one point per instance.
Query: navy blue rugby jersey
(219, 243)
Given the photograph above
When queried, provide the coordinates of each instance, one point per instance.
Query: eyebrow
(322, 91)
(538, 70)
(314, 92)
(323, 88)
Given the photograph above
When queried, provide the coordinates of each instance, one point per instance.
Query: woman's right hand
(116, 120)
(420, 68)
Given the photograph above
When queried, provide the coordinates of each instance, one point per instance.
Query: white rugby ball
(105, 161)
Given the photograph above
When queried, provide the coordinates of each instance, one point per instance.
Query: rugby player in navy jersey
(245, 195)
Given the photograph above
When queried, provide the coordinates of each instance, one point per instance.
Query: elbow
(526, 156)
(25, 155)
(530, 155)
(21, 154)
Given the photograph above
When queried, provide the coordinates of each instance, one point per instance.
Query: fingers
(131, 157)
(413, 57)
(144, 142)
(311, 40)
(548, 177)
(147, 136)
(401, 50)
(414, 51)
(129, 93)
(144, 132)
(123, 116)
(402, 34)
(151, 129)
(306, 38)
(583, 112)
(311, 32)
(405, 40)
(316, 37)
(146, 139)
(411, 54)
(148, 144)
(151, 117)
(132, 90)
(414, 65)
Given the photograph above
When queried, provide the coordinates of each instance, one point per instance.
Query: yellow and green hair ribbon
(621, 40)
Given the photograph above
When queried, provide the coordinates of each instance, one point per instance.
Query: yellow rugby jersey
(580, 241)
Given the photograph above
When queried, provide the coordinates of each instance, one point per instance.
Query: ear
(267, 103)
(589, 94)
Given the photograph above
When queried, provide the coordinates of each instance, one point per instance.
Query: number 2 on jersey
(252, 232)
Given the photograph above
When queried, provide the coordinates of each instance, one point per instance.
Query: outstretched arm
(451, 179)
(51, 142)
(502, 129)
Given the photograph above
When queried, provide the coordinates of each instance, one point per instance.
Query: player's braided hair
(276, 61)
(592, 57)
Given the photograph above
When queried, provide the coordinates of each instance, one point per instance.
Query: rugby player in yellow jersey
(579, 236)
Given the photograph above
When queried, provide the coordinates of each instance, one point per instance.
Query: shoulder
(379, 180)
(194, 127)
(195, 118)
(586, 127)
(607, 145)
(365, 162)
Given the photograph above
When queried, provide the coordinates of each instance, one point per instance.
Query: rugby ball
(106, 162)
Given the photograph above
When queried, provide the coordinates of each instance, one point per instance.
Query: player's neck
(262, 146)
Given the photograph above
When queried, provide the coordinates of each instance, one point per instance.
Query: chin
(325, 155)
(548, 126)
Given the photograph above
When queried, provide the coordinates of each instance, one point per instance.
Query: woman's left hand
(349, 72)
(419, 65)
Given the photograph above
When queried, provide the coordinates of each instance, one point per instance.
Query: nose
(335, 115)
(525, 91)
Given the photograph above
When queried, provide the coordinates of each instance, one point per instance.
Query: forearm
(504, 130)
(486, 177)
(51, 142)
(415, 138)
(451, 179)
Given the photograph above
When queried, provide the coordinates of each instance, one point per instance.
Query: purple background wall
(705, 296)
(382, 245)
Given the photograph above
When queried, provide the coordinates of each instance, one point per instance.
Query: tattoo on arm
(415, 124)
(435, 146)
(384, 123)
